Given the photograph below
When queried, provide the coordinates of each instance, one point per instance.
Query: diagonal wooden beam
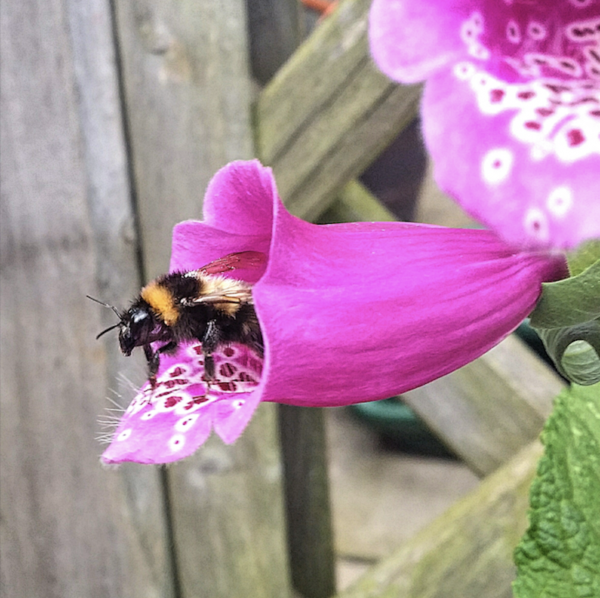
(329, 112)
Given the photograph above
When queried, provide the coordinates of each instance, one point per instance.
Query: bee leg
(210, 341)
(153, 359)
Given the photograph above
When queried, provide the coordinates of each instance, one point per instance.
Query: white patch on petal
(560, 201)
(479, 51)
(536, 224)
(470, 30)
(513, 32)
(124, 435)
(496, 165)
(239, 403)
(176, 442)
(464, 70)
(536, 31)
(186, 423)
(553, 117)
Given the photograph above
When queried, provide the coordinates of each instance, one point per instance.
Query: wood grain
(187, 91)
(187, 94)
(308, 506)
(489, 409)
(328, 112)
(467, 551)
(68, 527)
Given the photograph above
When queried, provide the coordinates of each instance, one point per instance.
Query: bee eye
(139, 316)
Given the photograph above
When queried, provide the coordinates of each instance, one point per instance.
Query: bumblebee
(197, 305)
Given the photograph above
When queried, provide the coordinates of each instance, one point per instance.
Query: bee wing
(229, 297)
(244, 260)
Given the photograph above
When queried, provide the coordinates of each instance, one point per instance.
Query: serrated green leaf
(570, 301)
(575, 351)
(586, 254)
(559, 555)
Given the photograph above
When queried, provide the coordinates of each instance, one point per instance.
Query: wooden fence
(114, 117)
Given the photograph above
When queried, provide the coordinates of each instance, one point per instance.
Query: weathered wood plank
(328, 112)
(467, 551)
(187, 90)
(275, 29)
(185, 72)
(302, 431)
(310, 537)
(489, 409)
(68, 527)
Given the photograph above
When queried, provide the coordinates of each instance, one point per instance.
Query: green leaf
(570, 301)
(575, 351)
(584, 257)
(559, 555)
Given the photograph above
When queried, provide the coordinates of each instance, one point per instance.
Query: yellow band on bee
(161, 301)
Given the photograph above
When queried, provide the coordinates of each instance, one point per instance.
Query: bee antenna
(110, 307)
(108, 329)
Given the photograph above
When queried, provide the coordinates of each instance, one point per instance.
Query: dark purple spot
(176, 372)
(227, 369)
(497, 163)
(575, 137)
(226, 386)
(496, 95)
(556, 88)
(172, 401)
(181, 381)
(544, 111)
(532, 124)
(595, 113)
(198, 349)
(163, 394)
(526, 95)
(198, 400)
(228, 352)
(567, 65)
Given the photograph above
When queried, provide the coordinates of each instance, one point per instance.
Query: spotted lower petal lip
(511, 110)
(349, 312)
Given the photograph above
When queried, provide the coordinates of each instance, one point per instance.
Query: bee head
(137, 327)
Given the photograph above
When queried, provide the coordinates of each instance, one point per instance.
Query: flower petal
(410, 53)
(517, 166)
(349, 313)
(173, 420)
(511, 111)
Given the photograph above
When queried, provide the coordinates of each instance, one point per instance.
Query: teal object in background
(399, 427)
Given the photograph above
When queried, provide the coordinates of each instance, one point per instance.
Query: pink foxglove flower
(349, 313)
(511, 108)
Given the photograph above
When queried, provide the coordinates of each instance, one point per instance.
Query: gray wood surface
(328, 112)
(308, 506)
(467, 551)
(489, 409)
(275, 30)
(69, 528)
(187, 91)
(187, 94)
